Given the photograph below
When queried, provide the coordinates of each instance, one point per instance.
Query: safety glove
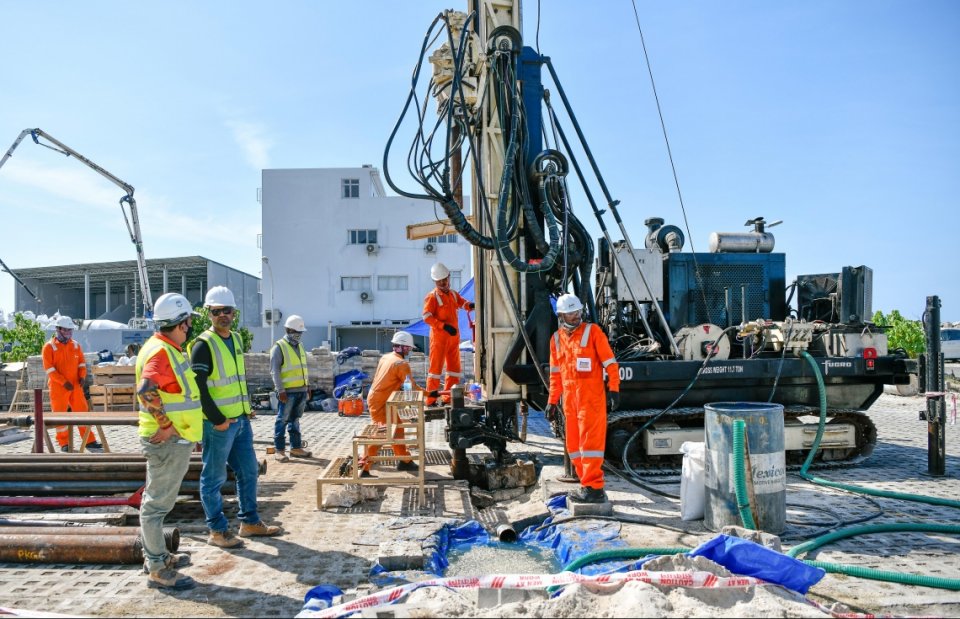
(552, 411)
(472, 305)
(433, 393)
(68, 386)
(613, 400)
(450, 329)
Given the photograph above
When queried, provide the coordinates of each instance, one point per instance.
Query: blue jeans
(288, 418)
(167, 463)
(234, 447)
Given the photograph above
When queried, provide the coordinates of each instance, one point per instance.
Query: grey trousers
(167, 463)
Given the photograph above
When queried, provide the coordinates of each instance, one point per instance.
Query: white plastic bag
(692, 487)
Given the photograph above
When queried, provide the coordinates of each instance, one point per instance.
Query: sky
(841, 118)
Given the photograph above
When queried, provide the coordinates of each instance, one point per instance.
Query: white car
(950, 343)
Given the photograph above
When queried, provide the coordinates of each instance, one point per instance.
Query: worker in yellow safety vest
(288, 368)
(171, 423)
(217, 358)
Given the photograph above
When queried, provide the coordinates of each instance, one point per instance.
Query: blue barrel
(767, 471)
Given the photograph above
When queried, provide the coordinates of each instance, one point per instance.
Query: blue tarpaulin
(422, 328)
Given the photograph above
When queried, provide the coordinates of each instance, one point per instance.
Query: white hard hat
(64, 322)
(219, 296)
(439, 271)
(568, 303)
(295, 323)
(172, 309)
(402, 338)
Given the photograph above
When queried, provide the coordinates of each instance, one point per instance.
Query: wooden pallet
(114, 375)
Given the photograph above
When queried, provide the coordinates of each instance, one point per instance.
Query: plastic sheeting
(351, 381)
(576, 538)
(747, 558)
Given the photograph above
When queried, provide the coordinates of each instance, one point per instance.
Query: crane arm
(127, 202)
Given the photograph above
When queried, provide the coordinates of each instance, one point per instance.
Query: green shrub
(24, 339)
(902, 332)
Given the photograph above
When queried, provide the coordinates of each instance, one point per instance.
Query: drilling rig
(688, 328)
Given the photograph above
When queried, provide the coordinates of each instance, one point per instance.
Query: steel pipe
(60, 488)
(111, 549)
(171, 535)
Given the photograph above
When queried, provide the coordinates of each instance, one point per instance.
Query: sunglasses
(221, 310)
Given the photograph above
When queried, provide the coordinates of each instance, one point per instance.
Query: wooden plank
(433, 228)
(115, 389)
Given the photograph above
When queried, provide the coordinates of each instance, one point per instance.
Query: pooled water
(500, 558)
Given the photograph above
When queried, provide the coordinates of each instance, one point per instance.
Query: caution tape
(540, 581)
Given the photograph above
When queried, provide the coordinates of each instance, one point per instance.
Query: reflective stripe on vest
(293, 371)
(183, 409)
(586, 336)
(228, 380)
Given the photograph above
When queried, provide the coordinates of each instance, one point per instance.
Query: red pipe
(68, 501)
(38, 412)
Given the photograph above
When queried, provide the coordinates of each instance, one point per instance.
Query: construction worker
(288, 368)
(393, 370)
(216, 357)
(579, 355)
(440, 312)
(66, 372)
(171, 423)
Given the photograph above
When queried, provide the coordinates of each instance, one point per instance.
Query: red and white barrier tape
(540, 581)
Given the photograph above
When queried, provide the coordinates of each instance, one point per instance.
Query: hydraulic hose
(739, 475)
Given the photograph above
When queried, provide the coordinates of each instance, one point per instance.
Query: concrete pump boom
(132, 220)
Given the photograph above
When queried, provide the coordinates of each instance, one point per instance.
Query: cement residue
(488, 559)
(683, 563)
(630, 599)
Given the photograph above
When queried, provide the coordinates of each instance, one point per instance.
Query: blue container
(766, 470)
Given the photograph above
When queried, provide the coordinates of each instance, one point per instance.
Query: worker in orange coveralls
(579, 355)
(440, 312)
(66, 371)
(392, 371)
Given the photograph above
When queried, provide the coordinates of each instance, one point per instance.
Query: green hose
(739, 475)
(617, 553)
(816, 445)
(864, 572)
(855, 570)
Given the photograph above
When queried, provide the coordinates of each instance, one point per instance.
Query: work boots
(299, 452)
(589, 495)
(224, 539)
(169, 578)
(281, 456)
(173, 561)
(259, 529)
(407, 465)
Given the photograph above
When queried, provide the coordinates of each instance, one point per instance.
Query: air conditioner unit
(430, 248)
(372, 248)
(366, 296)
(272, 316)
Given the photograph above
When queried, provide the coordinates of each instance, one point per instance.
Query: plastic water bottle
(406, 384)
(319, 598)
(476, 392)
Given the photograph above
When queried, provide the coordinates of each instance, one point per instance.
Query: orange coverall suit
(577, 361)
(392, 371)
(440, 308)
(64, 363)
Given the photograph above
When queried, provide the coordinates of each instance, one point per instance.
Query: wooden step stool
(404, 410)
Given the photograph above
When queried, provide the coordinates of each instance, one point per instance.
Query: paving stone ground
(269, 576)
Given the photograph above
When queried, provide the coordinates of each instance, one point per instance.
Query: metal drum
(766, 467)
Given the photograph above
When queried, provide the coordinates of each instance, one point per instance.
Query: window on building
(392, 282)
(362, 237)
(446, 238)
(351, 188)
(355, 283)
(455, 277)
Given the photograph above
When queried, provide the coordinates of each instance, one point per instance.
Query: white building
(335, 251)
